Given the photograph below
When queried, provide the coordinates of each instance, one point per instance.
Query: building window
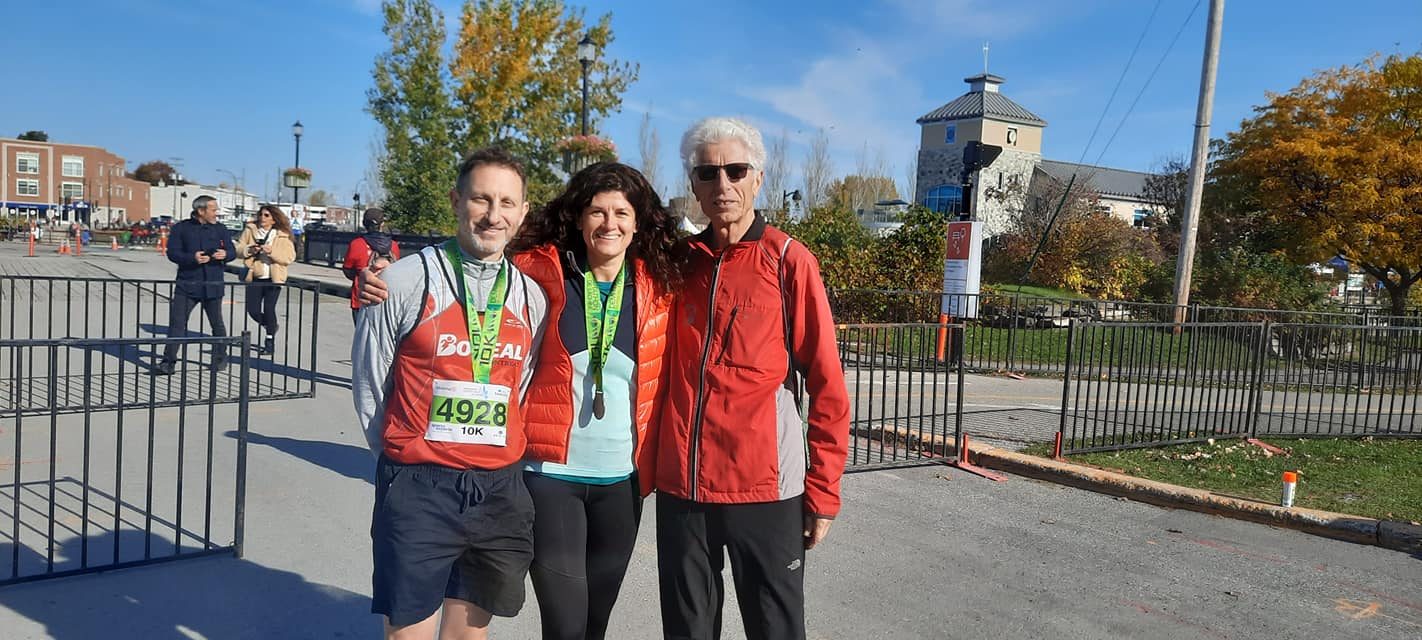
(1141, 218)
(27, 163)
(950, 134)
(73, 190)
(27, 187)
(73, 167)
(1012, 136)
(946, 198)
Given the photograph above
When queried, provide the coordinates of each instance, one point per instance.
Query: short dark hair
(200, 203)
(495, 156)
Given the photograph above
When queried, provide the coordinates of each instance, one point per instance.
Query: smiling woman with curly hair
(603, 251)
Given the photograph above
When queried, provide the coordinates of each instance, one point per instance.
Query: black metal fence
(1026, 333)
(328, 248)
(134, 312)
(142, 479)
(1149, 384)
(906, 401)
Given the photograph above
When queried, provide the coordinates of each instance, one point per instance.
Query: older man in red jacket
(738, 473)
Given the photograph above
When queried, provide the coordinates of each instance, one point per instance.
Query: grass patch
(1369, 477)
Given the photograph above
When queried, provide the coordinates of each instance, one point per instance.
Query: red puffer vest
(548, 406)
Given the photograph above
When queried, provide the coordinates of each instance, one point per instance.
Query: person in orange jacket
(603, 253)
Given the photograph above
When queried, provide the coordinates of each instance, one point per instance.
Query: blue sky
(218, 84)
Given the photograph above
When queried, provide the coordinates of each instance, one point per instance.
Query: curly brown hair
(556, 223)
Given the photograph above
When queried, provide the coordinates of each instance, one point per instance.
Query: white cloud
(851, 94)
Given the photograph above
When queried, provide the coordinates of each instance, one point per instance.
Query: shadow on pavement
(196, 598)
(347, 460)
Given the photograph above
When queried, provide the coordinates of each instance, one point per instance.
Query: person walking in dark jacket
(199, 246)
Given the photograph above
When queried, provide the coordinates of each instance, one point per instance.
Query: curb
(1389, 534)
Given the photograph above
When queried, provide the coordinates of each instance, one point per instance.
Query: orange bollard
(32, 244)
(942, 335)
(79, 245)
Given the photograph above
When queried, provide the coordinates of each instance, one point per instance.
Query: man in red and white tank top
(438, 373)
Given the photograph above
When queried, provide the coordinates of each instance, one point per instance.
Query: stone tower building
(982, 114)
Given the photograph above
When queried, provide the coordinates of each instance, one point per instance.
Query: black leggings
(261, 304)
(583, 536)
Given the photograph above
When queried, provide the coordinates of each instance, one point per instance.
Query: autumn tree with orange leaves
(1337, 163)
(512, 78)
(517, 82)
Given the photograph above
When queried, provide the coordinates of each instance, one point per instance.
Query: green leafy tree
(35, 136)
(517, 81)
(411, 103)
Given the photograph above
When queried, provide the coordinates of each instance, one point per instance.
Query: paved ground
(918, 553)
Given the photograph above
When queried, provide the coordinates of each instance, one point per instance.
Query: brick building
(68, 183)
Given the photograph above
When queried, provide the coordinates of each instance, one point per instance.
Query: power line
(1119, 81)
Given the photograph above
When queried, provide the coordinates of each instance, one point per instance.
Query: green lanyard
(482, 338)
(602, 328)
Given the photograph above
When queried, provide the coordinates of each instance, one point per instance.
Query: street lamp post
(585, 58)
(239, 195)
(173, 180)
(296, 130)
(356, 207)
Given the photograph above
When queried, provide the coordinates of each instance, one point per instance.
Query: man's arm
(179, 252)
(815, 349)
(377, 333)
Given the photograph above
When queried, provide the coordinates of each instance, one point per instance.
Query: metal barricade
(145, 478)
(906, 400)
(47, 308)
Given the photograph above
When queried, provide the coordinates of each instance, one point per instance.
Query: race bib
(469, 413)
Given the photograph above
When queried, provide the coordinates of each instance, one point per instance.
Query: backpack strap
(793, 379)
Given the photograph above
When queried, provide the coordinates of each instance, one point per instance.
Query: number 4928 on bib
(469, 413)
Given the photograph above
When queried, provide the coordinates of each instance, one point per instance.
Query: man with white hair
(738, 472)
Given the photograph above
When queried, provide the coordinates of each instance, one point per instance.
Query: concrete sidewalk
(917, 553)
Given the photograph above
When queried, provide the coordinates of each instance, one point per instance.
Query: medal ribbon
(483, 337)
(601, 325)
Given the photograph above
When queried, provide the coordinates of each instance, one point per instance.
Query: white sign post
(962, 269)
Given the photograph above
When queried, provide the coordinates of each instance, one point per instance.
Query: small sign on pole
(962, 269)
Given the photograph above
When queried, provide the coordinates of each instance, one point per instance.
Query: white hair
(717, 129)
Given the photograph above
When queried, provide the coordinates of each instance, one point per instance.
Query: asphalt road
(920, 552)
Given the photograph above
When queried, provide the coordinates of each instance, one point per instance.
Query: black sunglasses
(735, 171)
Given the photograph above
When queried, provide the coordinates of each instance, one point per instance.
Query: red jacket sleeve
(812, 337)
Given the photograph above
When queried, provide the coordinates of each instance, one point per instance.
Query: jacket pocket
(751, 338)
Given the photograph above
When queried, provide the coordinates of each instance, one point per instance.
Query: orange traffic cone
(113, 243)
(63, 247)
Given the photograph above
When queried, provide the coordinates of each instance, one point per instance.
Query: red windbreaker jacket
(731, 431)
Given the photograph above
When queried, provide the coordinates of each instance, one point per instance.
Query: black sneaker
(219, 363)
(163, 368)
(269, 346)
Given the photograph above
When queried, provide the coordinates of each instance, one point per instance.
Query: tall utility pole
(1199, 161)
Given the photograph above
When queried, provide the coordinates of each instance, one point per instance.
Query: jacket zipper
(700, 414)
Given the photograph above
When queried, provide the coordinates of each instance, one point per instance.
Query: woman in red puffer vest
(603, 253)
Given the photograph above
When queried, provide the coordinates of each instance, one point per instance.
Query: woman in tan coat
(267, 249)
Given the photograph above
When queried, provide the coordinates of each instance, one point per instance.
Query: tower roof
(983, 101)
